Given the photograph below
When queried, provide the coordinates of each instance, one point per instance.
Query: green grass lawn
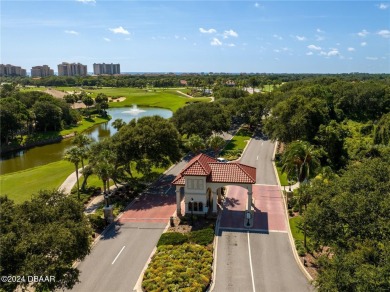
(169, 99)
(19, 186)
(84, 125)
(239, 141)
(269, 87)
(282, 177)
(296, 233)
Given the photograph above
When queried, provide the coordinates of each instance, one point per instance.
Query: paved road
(257, 262)
(119, 257)
(260, 259)
(259, 154)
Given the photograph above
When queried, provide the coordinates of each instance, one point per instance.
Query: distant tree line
(205, 80)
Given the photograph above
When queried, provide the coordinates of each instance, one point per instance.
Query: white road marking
(257, 157)
(262, 143)
(250, 263)
(119, 254)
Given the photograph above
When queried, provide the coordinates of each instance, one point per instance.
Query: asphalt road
(119, 257)
(255, 261)
(259, 154)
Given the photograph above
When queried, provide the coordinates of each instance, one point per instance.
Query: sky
(199, 36)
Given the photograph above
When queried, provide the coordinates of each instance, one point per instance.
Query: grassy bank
(19, 186)
(84, 125)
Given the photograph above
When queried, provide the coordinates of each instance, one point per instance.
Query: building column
(178, 201)
(214, 201)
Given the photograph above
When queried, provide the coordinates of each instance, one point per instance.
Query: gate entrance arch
(204, 180)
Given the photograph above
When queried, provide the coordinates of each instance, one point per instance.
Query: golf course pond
(42, 155)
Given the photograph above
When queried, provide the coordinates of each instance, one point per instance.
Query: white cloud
(383, 6)
(300, 38)
(363, 33)
(71, 32)
(333, 52)
(177, 37)
(107, 39)
(384, 33)
(319, 30)
(277, 37)
(120, 30)
(319, 38)
(372, 58)
(216, 42)
(87, 1)
(277, 51)
(230, 33)
(351, 49)
(211, 30)
(231, 45)
(257, 5)
(309, 53)
(314, 47)
(363, 44)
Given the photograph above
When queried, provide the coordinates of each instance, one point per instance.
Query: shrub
(300, 248)
(190, 269)
(202, 237)
(97, 222)
(172, 238)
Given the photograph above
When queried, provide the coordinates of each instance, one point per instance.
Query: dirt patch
(78, 105)
(183, 224)
(55, 93)
(120, 99)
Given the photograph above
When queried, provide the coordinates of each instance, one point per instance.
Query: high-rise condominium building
(11, 70)
(41, 71)
(110, 69)
(72, 69)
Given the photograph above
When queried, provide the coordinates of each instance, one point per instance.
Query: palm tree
(82, 142)
(73, 155)
(302, 159)
(195, 144)
(215, 142)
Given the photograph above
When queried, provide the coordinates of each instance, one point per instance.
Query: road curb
(290, 237)
(215, 254)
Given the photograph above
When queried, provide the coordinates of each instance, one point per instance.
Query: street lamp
(248, 217)
(192, 211)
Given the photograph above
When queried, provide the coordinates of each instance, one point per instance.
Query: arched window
(195, 206)
(189, 206)
(200, 207)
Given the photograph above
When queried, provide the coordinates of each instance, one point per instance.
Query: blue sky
(199, 36)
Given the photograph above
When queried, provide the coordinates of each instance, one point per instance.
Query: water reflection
(54, 152)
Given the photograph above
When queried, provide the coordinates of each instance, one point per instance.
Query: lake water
(54, 152)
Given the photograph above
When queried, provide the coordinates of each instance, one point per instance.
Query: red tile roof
(232, 173)
(204, 165)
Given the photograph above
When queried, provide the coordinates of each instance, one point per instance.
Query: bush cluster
(202, 237)
(300, 248)
(184, 267)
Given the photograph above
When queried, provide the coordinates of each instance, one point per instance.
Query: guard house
(203, 180)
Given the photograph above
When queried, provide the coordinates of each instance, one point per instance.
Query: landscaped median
(182, 262)
(237, 144)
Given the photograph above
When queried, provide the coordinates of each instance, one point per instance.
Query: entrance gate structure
(204, 179)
